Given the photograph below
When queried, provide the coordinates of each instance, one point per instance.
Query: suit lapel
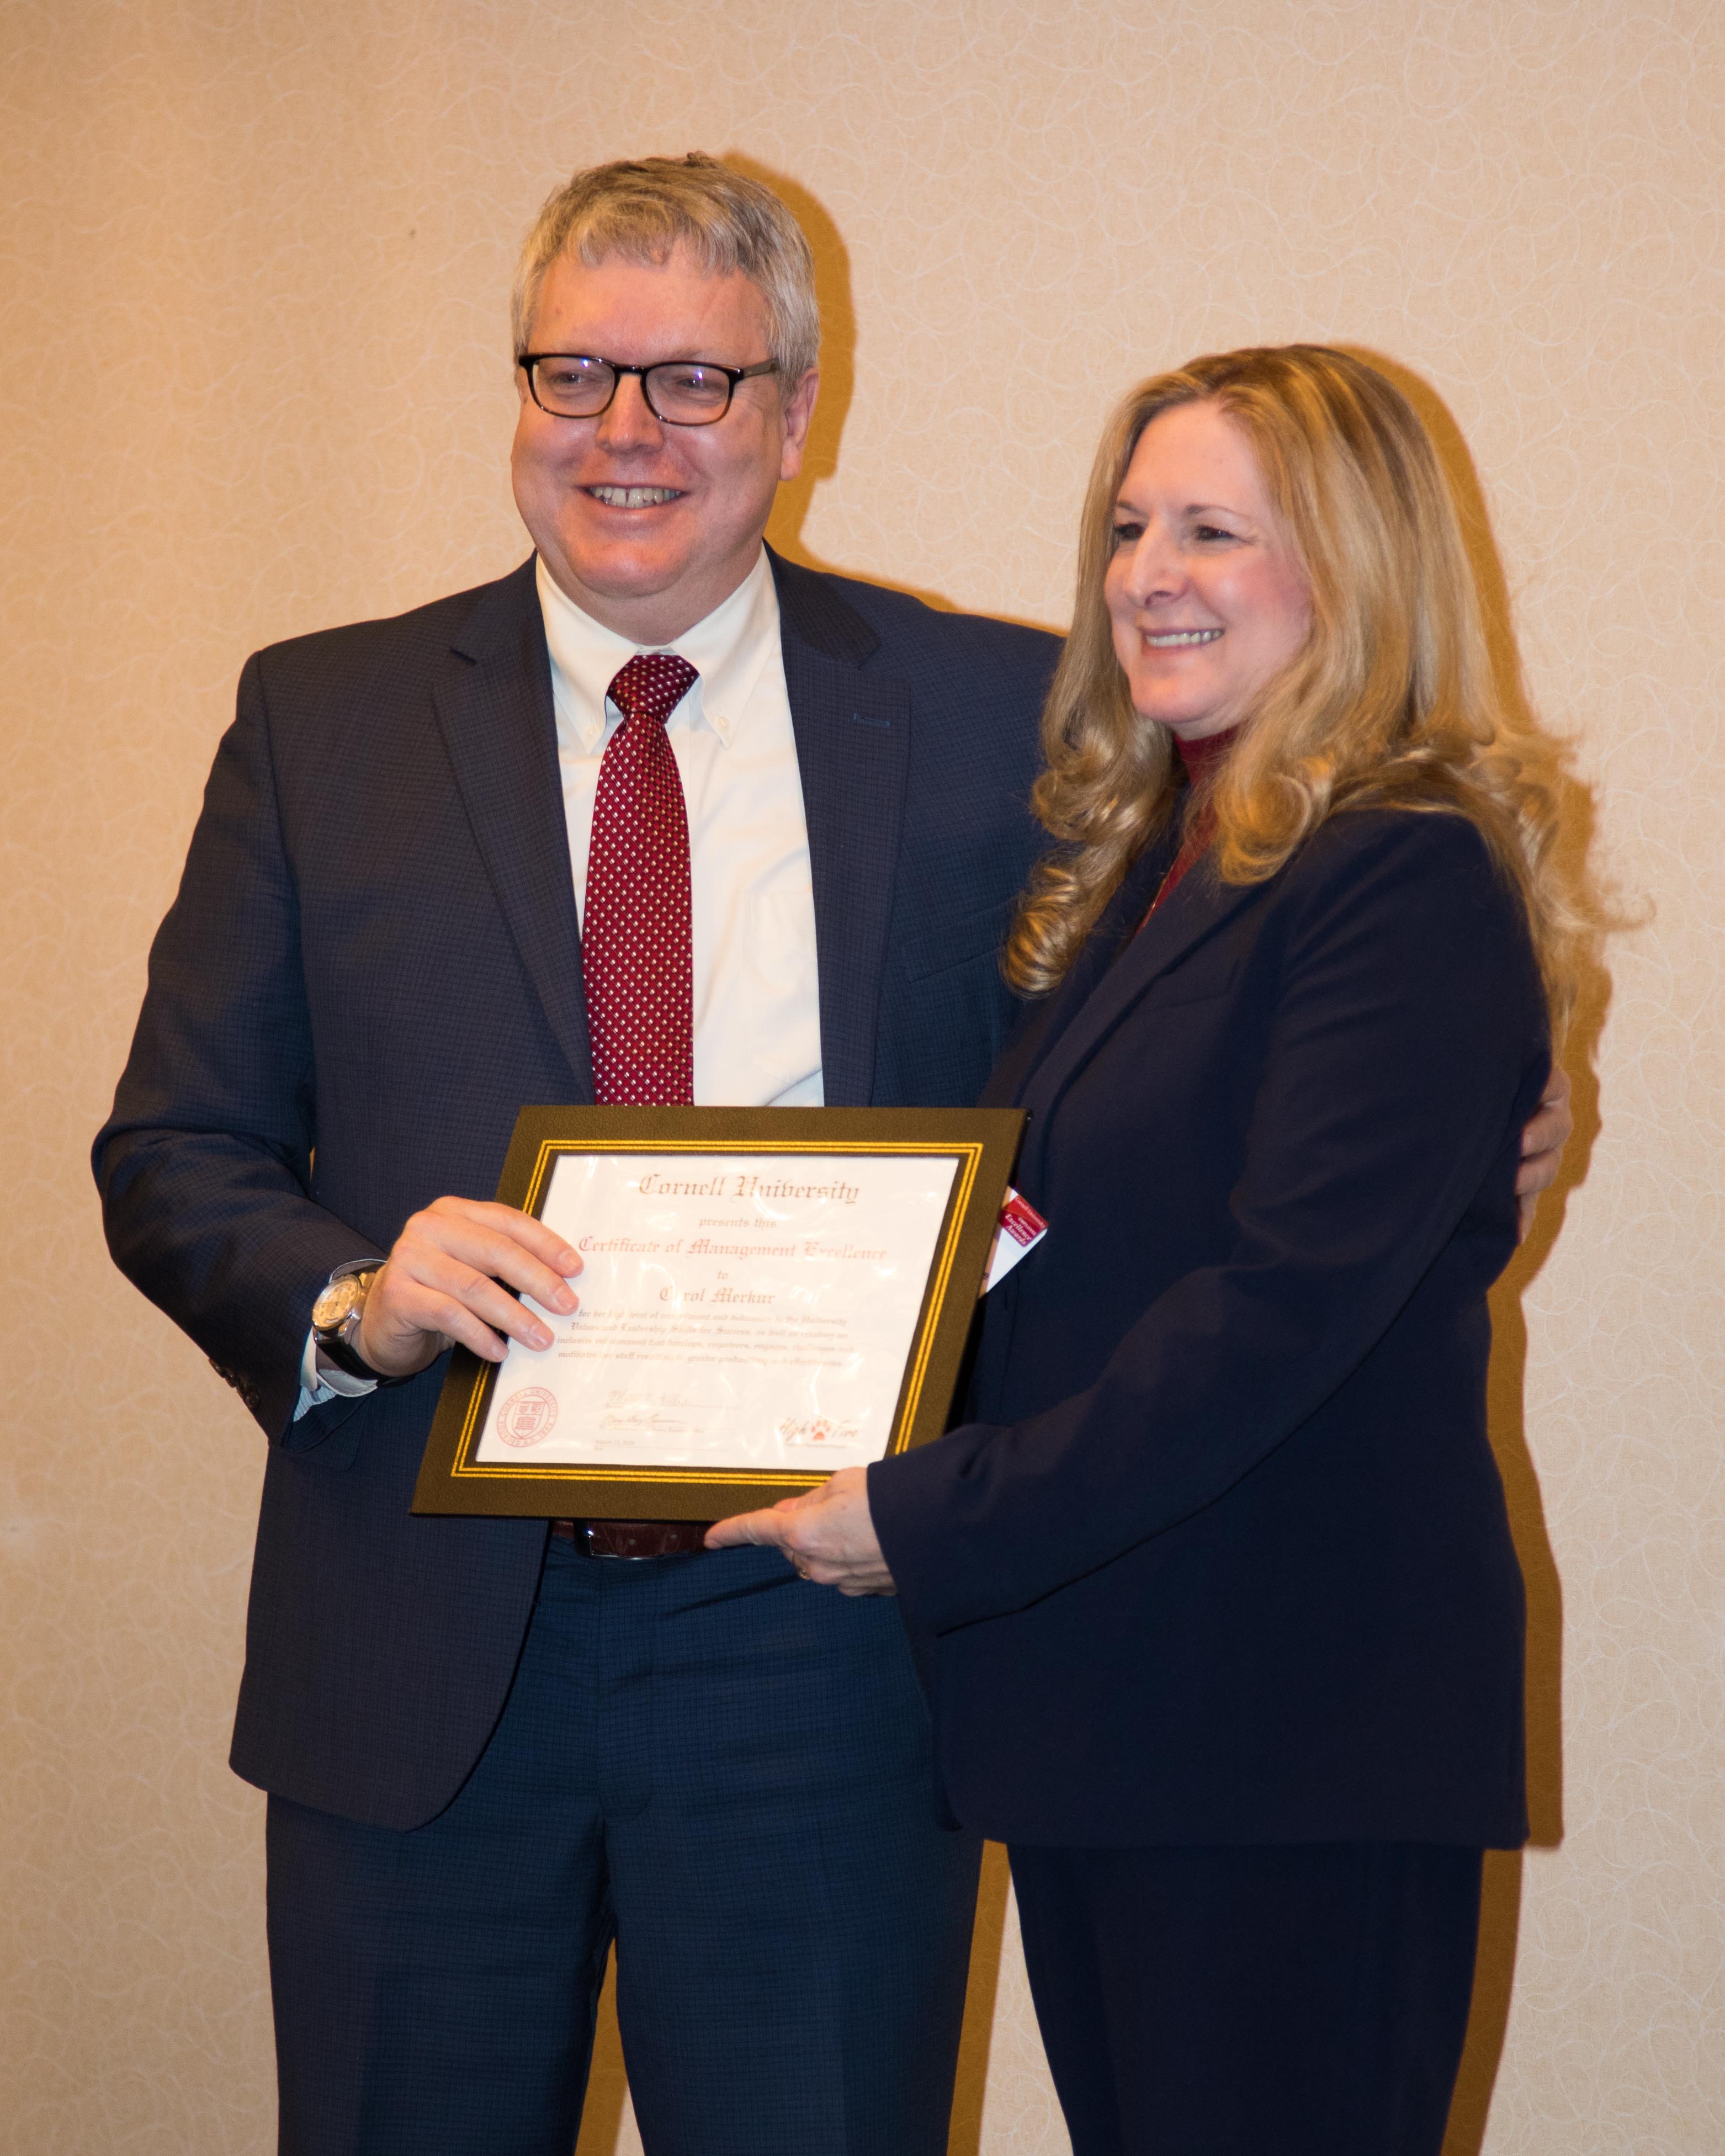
(1119, 918)
(1197, 907)
(853, 732)
(500, 732)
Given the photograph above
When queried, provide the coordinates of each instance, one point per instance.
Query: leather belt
(633, 1538)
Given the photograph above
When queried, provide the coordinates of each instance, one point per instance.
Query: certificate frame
(983, 1142)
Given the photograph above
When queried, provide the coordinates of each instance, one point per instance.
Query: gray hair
(644, 208)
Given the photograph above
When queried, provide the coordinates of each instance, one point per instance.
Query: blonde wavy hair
(1392, 702)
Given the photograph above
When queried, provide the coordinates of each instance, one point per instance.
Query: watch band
(333, 1349)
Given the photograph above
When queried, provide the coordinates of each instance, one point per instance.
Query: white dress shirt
(756, 993)
(757, 1005)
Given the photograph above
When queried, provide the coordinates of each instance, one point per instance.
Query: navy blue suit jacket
(374, 961)
(1223, 1557)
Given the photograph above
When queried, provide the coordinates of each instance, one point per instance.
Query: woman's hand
(827, 1534)
(1543, 1144)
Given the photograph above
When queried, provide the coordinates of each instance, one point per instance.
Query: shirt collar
(727, 648)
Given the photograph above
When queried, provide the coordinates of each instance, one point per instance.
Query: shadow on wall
(1501, 1911)
(981, 1993)
(838, 358)
(838, 384)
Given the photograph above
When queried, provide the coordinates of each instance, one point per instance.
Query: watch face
(339, 1300)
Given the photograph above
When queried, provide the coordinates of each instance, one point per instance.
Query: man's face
(650, 568)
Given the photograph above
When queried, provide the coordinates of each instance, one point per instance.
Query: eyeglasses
(685, 392)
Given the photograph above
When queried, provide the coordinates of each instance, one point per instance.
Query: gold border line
(937, 1297)
(967, 1152)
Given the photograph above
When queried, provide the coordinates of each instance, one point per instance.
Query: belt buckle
(599, 1539)
(584, 1543)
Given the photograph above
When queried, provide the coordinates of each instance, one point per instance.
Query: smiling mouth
(634, 497)
(1178, 639)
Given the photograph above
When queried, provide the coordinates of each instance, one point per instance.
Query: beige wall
(255, 382)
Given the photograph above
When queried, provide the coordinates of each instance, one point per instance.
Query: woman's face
(1208, 601)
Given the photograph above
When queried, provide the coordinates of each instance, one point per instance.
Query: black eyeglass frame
(531, 361)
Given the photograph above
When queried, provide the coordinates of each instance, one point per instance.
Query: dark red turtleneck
(1201, 759)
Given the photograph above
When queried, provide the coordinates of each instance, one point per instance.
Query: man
(411, 905)
(489, 1750)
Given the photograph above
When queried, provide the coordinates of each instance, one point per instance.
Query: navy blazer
(1223, 1557)
(374, 961)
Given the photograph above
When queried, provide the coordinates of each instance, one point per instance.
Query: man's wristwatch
(336, 1316)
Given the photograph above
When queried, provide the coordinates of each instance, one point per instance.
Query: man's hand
(1543, 1144)
(439, 1285)
(827, 1534)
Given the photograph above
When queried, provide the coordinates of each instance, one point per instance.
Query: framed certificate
(767, 1295)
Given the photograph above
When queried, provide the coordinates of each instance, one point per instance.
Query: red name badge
(1021, 1229)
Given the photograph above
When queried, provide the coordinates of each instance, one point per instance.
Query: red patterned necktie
(635, 936)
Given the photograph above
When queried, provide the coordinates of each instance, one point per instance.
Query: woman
(1216, 1589)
